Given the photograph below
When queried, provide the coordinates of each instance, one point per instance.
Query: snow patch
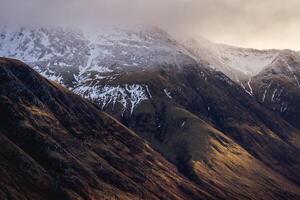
(129, 96)
(168, 93)
(293, 73)
(250, 92)
(266, 91)
(274, 93)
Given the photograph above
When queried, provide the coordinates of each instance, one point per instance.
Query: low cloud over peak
(254, 23)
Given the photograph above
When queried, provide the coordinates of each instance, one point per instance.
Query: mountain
(236, 63)
(200, 120)
(56, 145)
(278, 86)
(195, 103)
(271, 76)
(82, 59)
(52, 50)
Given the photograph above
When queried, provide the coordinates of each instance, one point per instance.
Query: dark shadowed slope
(55, 145)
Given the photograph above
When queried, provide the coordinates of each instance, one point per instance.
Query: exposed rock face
(55, 145)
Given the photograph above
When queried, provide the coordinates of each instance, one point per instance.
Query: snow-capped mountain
(271, 76)
(176, 96)
(81, 59)
(243, 65)
(80, 51)
(278, 86)
(236, 63)
(88, 61)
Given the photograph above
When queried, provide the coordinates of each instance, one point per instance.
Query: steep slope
(272, 76)
(79, 59)
(67, 55)
(76, 58)
(278, 86)
(213, 131)
(55, 145)
(217, 135)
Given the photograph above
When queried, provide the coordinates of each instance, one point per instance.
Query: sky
(261, 24)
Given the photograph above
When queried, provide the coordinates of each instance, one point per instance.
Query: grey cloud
(250, 23)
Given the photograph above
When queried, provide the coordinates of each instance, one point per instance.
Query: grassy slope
(55, 145)
(233, 147)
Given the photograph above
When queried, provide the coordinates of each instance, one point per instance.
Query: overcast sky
(247, 23)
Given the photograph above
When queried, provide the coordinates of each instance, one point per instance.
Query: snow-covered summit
(82, 59)
(86, 61)
(237, 63)
(83, 51)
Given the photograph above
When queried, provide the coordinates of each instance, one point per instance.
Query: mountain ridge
(201, 113)
(54, 151)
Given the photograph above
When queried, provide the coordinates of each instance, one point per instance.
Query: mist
(246, 23)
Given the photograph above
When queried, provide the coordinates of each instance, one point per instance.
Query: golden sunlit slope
(211, 159)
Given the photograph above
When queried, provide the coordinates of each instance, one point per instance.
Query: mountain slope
(278, 86)
(79, 59)
(205, 123)
(55, 145)
(195, 114)
(237, 63)
(272, 76)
